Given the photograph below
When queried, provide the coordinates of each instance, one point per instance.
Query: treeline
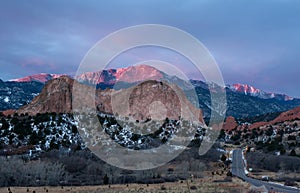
(262, 161)
(81, 167)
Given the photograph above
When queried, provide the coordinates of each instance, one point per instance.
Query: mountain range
(250, 90)
(42, 78)
(242, 100)
(107, 78)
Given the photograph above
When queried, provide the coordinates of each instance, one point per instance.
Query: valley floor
(197, 185)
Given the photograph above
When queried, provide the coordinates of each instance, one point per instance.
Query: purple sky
(254, 42)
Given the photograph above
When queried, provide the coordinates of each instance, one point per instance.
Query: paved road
(238, 170)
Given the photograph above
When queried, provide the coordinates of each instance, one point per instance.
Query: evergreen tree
(293, 153)
(105, 179)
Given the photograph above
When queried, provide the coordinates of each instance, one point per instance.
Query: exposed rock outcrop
(149, 99)
(56, 96)
(230, 124)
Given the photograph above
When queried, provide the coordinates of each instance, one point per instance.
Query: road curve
(238, 170)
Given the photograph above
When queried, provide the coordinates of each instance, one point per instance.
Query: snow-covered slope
(130, 75)
(42, 77)
(15, 94)
(252, 91)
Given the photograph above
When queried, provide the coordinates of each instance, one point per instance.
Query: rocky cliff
(149, 99)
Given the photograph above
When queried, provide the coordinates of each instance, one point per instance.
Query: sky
(253, 42)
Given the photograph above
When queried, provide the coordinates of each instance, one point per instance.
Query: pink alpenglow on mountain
(141, 73)
(247, 89)
(252, 91)
(130, 74)
(43, 78)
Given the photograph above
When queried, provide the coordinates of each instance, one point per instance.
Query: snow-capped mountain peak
(247, 89)
(144, 72)
(42, 77)
(252, 91)
(129, 74)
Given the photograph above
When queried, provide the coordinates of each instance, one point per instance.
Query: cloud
(248, 39)
(33, 62)
(37, 64)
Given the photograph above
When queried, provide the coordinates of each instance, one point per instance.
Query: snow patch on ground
(6, 99)
(221, 150)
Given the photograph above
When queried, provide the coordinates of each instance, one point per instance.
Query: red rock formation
(155, 100)
(150, 99)
(288, 115)
(8, 112)
(285, 116)
(56, 96)
(230, 124)
(258, 124)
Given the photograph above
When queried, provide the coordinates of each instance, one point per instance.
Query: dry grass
(197, 185)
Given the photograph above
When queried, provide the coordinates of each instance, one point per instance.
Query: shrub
(105, 179)
(290, 183)
(74, 164)
(163, 187)
(293, 153)
(193, 188)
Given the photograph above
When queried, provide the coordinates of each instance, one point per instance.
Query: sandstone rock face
(230, 124)
(149, 99)
(285, 116)
(258, 124)
(8, 112)
(56, 96)
(154, 99)
(288, 115)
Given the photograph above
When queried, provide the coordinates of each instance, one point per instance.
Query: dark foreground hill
(13, 95)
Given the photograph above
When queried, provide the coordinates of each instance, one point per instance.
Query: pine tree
(105, 179)
(293, 153)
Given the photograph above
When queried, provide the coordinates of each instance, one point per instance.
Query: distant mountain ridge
(241, 105)
(250, 90)
(42, 78)
(130, 74)
(242, 100)
(107, 78)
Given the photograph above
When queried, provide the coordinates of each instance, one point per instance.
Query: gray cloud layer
(254, 42)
